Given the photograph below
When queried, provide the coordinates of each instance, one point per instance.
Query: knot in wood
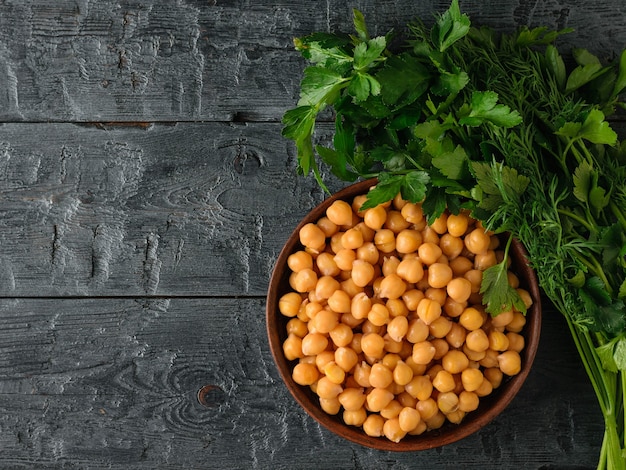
(247, 162)
(211, 396)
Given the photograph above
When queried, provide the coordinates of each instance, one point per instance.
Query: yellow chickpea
(485, 260)
(289, 304)
(516, 341)
(330, 405)
(300, 260)
(408, 240)
(468, 401)
(378, 398)
(326, 388)
(368, 252)
(314, 343)
(448, 402)
(352, 239)
(352, 399)
(444, 381)
(373, 425)
(456, 336)
(362, 272)
(340, 213)
(457, 224)
(408, 419)
(451, 246)
(311, 236)
(427, 408)
(412, 213)
(498, 341)
(395, 222)
(502, 319)
(393, 431)
(339, 301)
(375, 217)
(402, 373)
(423, 352)
(455, 361)
(494, 375)
(418, 331)
(344, 259)
(380, 376)
(429, 253)
(378, 315)
(428, 310)
(510, 363)
(326, 264)
(372, 344)
(297, 327)
(471, 319)
(440, 327)
(477, 241)
(439, 275)
(292, 347)
(334, 373)
(459, 289)
(411, 270)
(477, 340)
(305, 374)
(471, 379)
(355, 417)
(398, 328)
(392, 287)
(517, 323)
(341, 335)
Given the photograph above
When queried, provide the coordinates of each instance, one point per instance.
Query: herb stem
(577, 218)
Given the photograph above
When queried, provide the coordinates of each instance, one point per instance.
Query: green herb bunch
(462, 117)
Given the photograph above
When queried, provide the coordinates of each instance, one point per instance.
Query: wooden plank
(191, 209)
(211, 60)
(106, 383)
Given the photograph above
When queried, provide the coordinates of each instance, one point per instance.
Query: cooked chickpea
(468, 401)
(411, 270)
(378, 315)
(289, 304)
(429, 253)
(460, 265)
(368, 252)
(477, 340)
(334, 373)
(408, 241)
(378, 398)
(341, 335)
(459, 289)
(326, 388)
(375, 217)
(393, 431)
(471, 379)
(412, 213)
(352, 399)
(380, 376)
(502, 319)
(423, 352)
(385, 240)
(352, 239)
(372, 344)
(297, 327)
(428, 310)
(344, 259)
(292, 347)
(412, 297)
(339, 213)
(396, 308)
(510, 362)
(311, 236)
(395, 221)
(313, 344)
(471, 318)
(516, 341)
(455, 361)
(402, 373)
(355, 417)
(326, 264)
(494, 375)
(418, 331)
(362, 272)
(457, 225)
(362, 374)
(477, 241)
(439, 275)
(444, 381)
(392, 287)
(427, 408)
(360, 305)
(373, 425)
(330, 405)
(325, 321)
(398, 328)
(447, 402)
(408, 419)
(517, 323)
(456, 336)
(485, 260)
(498, 341)
(300, 260)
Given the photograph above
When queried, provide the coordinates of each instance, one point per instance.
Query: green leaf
(620, 82)
(605, 353)
(319, 85)
(582, 75)
(324, 48)
(452, 164)
(359, 25)
(386, 189)
(556, 65)
(414, 186)
(498, 295)
(403, 79)
(337, 162)
(594, 129)
(583, 179)
(450, 27)
(622, 290)
(359, 87)
(584, 57)
(365, 53)
(449, 83)
(435, 203)
(484, 107)
(619, 355)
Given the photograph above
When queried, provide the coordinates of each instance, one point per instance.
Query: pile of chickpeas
(386, 322)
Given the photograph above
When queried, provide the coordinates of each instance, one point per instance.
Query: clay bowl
(490, 406)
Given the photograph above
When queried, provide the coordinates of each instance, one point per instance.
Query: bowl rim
(490, 406)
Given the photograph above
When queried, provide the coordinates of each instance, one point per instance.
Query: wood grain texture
(82, 60)
(191, 209)
(95, 383)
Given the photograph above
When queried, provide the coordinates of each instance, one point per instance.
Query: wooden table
(145, 192)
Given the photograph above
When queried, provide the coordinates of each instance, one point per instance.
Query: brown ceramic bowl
(490, 406)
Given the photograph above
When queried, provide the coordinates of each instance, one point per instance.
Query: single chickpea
(311, 236)
(411, 298)
(334, 373)
(485, 260)
(362, 272)
(393, 431)
(477, 241)
(408, 240)
(368, 252)
(459, 289)
(392, 287)
(398, 328)
(352, 239)
(339, 301)
(471, 379)
(385, 240)
(494, 375)
(360, 305)
(517, 323)
(447, 402)
(375, 217)
(510, 363)
(408, 419)
(289, 304)
(429, 253)
(395, 222)
(457, 224)
(502, 319)
(378, 398)
(423, 352)
(352, 399)
(340, 213)
(427, 408)
(314, 343)
(327, 226)
(455, 361)
(411, 270)
(300, 260)
(471, 318)
(418, 331)
(326, 264)
(298, 327)
(444, 381)
(440, 327)
(380, 376)
(477, 340)
(344, 259)
(451, 246)
(330, 405)
(327, 388)
(362, 373)
(372, 344)
(341, 335)
(456, 336)
(355, 417)
(402, 373)
(373, 425)
(378, 315)
(516, 341)
(460, 265)
(292, 347)
(428, 310)
(439, 275)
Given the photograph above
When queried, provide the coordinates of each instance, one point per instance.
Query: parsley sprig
(463, 117)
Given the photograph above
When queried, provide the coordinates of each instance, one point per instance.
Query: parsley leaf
(498, 295)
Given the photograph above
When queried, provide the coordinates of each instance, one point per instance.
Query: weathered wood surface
(145, 193)
(95, 383)
(82, 60)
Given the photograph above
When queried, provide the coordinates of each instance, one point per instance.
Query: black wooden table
(145, 192)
